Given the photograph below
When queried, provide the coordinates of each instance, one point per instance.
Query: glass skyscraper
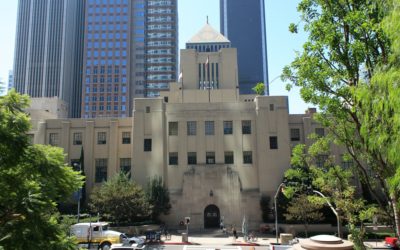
(130, 51)
(48, 50)
(243, 23)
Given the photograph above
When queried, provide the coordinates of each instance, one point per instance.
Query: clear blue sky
(192, 16)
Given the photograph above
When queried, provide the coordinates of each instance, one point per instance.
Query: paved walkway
(215, 238)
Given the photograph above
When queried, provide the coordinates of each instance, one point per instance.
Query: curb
(244, 244)
(171, 243)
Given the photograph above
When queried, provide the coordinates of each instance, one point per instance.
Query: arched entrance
(211, 217)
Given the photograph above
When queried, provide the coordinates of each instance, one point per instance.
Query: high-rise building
(3, 87)
(130, 51)
(243, 23)
(10, 79)
(48, 50)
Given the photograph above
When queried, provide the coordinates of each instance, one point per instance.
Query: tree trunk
(393, 198)
(306, 228)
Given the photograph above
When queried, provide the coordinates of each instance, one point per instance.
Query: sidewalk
(217, 239)
(225, 240)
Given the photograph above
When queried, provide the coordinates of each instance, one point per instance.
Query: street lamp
(333, 210)
(276, 210)
(76, 166)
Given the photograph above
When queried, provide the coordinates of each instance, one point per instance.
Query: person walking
(234, 233)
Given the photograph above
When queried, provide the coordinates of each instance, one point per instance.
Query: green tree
(259, 89)
(33, 179)
(347, 47)
(120, 200)
(158, 197)
(301, 209)
(333, 181)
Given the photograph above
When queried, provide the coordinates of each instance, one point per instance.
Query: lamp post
(78, 165)
(276, 210)
(333, 210)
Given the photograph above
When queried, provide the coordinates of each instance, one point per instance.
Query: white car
(127, 247)
(132, 240)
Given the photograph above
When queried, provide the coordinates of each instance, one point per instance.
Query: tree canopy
(158, 196)
(120, 200)
(349, 68)
(33, 179)
(259, 89)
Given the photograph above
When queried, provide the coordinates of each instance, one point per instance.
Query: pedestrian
(234, 233)
(221, 225)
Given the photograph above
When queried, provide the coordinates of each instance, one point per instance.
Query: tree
(301, 209)
(346, 49)
(33, 179)
(120, 200)
(259, 89)
(333, 181)
(158, 197)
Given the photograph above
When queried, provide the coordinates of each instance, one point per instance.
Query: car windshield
(105, 227)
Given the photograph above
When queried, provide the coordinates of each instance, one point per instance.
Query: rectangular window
(126, 137)
(247, 157)
(228, 127)
(210, 157)
(147, 109)
(320, 160)
(173, 158)
(125, 166)
(54, 139)
(147, 145)
(101, 170)
(192, 158)
(101, 138)
(271, 107)
(191, 128)
(228, 157)
(31, 138)
(347, 163)
(173, 128)
(273, 142)
(320, 132)
(295, 134)
(209, 127)
(77, 140)
(246, 127)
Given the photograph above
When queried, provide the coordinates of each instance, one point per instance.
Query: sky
(281, 44)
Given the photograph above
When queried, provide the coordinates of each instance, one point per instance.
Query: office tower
(130, 51)
(243, 23)
(48, 50)
(3, 88)
(10, 79)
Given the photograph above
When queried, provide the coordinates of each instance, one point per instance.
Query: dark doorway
(211, 217)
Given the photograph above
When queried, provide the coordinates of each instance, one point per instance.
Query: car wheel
(105, 246)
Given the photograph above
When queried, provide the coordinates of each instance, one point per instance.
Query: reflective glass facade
(243, 23)
(48, 50)
(130, 51)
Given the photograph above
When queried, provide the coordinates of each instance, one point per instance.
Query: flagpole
(180, 78)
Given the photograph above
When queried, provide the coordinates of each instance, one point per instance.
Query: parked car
(132, 240)
(127, 247)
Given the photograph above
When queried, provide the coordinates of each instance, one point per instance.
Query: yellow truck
(96, 235)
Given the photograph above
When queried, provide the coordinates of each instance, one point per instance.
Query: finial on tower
(207, 19)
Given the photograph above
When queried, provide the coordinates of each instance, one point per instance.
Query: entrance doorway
(211, 217)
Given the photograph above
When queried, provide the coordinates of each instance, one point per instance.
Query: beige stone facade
(218, 152)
